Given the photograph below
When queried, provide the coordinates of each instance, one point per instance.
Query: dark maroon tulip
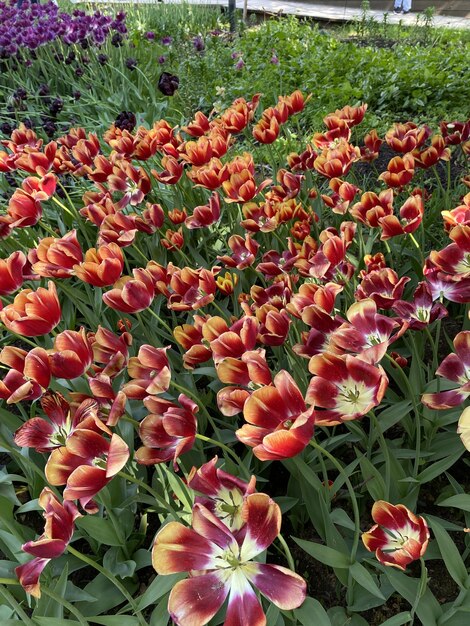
(168, 83)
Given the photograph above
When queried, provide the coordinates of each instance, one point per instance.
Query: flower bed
(197, 343)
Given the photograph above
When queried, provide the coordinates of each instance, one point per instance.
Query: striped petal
(178, 548)
(389, 515)
(84, 483)
(244, 607)
(263, 521)
(195, 601)
(284, 588)
(209, 526)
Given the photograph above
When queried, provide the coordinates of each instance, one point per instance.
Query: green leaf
(364, 578)
(339, 617)
(51, 621)
(436, 469)
(114, 620)
(312, 612)
(179, 488)
(115, 561)
(158, 588)
(100, 529)
(160, 615)
(399, 620)
(459, 501)
(373, 480)
(428, 609)
(324, 554)
(393, 414)
(285, 503)
(449, 552)
(48, 607)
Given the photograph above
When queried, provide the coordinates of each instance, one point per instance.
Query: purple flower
(240, 64)
(274, 59)
(161, 60)
(198, 43)
(131, 63)
(167, 40)
(150, 35)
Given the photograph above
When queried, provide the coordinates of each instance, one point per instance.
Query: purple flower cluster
(33, 25)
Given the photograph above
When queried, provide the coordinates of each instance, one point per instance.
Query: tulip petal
(284, 588)
(181, 549)
(263, 521)
(29, 573)
(243, 606)
(195, 601)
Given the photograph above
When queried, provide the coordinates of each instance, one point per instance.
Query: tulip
(29, 376)
(279, 423)
(58, 532)
(63, 419)
(102, 266)
(86, 464)
(150, 371)
(222, 493)
(72, 354)
(456, 368)
(33, 313)
(399, 537)
(11, 272)
(344, 387)
(55, 258)
(383, 286)
(400, 171)
(221, 567)
(131, 295)
(205, 215)
(168, 432)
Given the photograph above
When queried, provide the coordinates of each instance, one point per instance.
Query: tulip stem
(287, 552)
(357, 520)
(422, 585)
(385, 450)
(112, 578)
(15, 606)
(151, 491)
(234, 456)
(416, 412)
(157, 317)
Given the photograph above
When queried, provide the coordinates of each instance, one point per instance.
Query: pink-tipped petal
(284, 588)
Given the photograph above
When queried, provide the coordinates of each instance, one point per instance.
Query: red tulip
(221, 567)
(55, 258)
(399, 537)
(102, 266)
(131, 295)
(29, 376)
(150, 371)
(33, 313)
(168, 432)
(11, 272)
(279, 423)
(58, 531)
(86, 464)
(345, 387)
